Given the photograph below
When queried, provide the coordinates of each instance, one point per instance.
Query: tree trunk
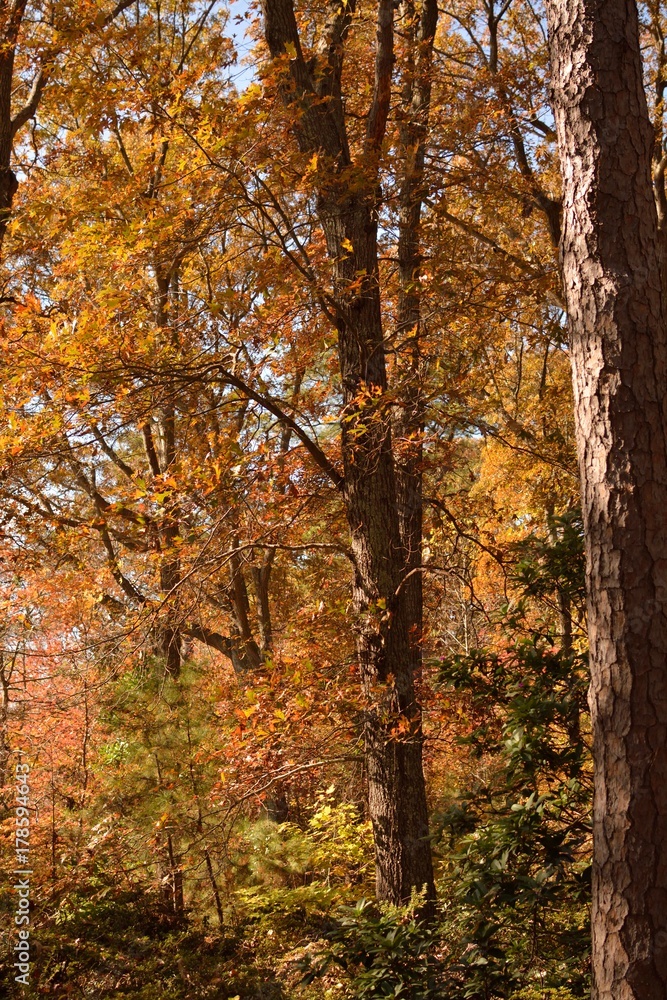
(611, 275)
(164, 455)
(10, 25)
(247, 649)
(386, 621)
(261, 576)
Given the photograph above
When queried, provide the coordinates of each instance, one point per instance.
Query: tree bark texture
(610, 258)
(386, 621)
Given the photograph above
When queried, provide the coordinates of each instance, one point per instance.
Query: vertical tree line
(612, 266)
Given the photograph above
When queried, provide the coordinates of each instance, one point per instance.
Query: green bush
(385, 951)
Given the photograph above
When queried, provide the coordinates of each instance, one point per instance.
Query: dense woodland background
(180, 574)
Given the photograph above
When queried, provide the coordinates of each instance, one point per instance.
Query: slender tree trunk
(10, 24)
(165, 457)
(261, 576)
(611, 274)
(174, 892)
(408, 425)
(5, 749)
(248, 651)
(408, 428)
(214, 887)
(387, 622)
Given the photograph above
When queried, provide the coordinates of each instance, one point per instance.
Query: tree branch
(272, 406)
(213, 639)
(126, 585)
(320, 123)
(112, 15)
(29, 109)
(466, 227)
(110, 453)
(439, 505)
(149, 446)
(384, 63)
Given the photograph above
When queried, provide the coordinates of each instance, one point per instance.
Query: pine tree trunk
(611, 274)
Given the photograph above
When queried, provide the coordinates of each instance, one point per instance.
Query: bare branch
(439, 505)
(112, 15)
(466, 227)
(121, 146)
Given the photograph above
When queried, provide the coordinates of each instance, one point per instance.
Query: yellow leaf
(312, 164)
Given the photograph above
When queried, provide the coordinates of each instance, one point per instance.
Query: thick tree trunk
(611, 275)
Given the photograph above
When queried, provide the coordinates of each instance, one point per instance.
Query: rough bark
(610, 258)
(384, 618)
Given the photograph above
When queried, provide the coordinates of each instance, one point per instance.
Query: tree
(611, 258)
(382, 503)
(185, 457)
(25, 78)
(219, 259)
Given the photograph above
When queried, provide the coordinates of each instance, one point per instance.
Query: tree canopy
(293, 635)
